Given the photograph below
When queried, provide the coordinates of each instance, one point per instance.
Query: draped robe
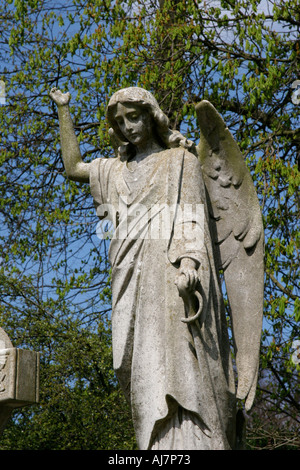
(171, 373)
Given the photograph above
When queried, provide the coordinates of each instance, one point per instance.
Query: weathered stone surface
(19, 384)
(238, 238)
(19, 378)
(178, 215)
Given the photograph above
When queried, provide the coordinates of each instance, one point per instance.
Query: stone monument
(19, 378)
(180, 213)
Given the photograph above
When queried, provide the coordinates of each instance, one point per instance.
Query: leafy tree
(55, 296)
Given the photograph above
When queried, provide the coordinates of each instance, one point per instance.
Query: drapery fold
(163, 365)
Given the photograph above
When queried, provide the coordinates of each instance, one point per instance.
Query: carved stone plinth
(19, 378)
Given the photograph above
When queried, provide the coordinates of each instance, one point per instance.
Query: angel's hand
(187, 277)
(61, 99)
(186, 282)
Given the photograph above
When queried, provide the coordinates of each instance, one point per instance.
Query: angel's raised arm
(75, 167)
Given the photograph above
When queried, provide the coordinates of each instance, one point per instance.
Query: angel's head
(134, 114)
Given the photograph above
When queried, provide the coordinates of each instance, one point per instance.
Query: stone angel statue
(180, 213)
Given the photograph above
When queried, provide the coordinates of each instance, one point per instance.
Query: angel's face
(135, 123)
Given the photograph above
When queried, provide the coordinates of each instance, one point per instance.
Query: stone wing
(238, 237)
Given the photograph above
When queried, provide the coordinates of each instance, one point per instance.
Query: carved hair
(165, 136)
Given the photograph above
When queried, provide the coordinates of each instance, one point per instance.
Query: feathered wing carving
(237, 232)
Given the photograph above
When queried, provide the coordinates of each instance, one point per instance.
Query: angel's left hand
(187, 277)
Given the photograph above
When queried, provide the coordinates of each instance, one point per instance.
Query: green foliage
(55, 295)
